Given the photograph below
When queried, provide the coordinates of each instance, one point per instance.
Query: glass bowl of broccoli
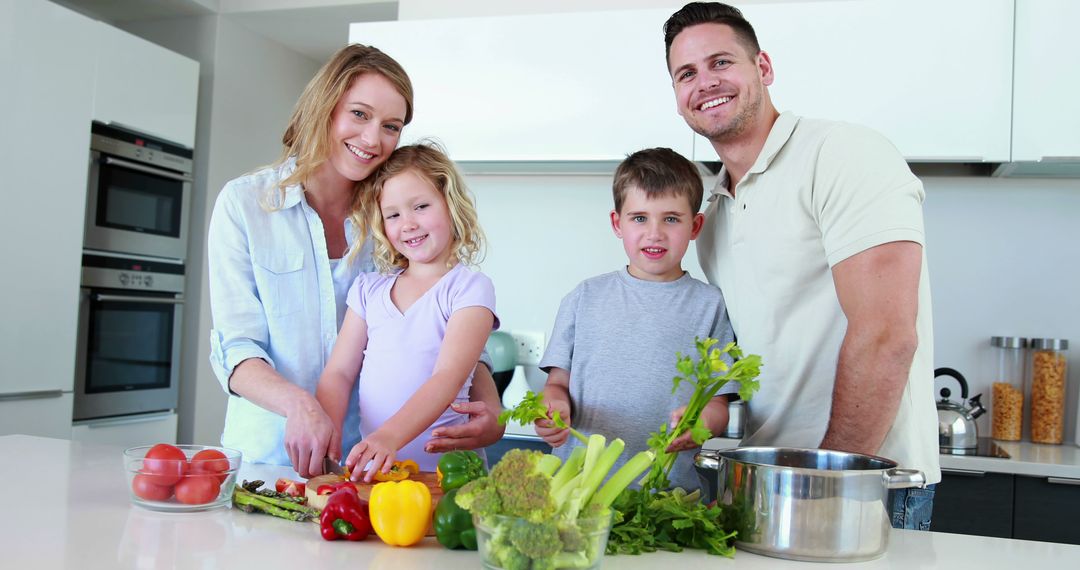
(511, 543)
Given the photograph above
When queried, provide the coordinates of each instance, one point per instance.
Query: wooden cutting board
(364, 489)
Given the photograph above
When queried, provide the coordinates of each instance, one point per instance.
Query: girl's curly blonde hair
(430, 162)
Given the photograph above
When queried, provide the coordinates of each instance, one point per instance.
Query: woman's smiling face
(365, 126)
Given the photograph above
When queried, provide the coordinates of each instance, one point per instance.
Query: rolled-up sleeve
(240, 329)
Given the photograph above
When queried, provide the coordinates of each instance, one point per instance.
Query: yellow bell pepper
(400, 470)
(400, 511)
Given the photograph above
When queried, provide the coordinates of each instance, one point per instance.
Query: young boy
(613, 348)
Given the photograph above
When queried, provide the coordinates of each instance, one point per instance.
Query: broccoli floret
(535, 539)
(523, 486)
(510, 559)
(479, 497)
(571, 538)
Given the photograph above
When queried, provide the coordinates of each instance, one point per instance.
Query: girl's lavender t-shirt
(402, 348)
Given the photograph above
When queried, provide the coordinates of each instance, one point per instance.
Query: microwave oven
(139, 189)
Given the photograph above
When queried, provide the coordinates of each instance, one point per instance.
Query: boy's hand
(714, 416)
(545, 428)
(373, 449)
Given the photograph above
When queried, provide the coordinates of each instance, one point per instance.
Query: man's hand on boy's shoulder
(714, 416)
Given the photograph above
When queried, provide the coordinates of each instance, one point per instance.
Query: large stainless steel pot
(805, 504)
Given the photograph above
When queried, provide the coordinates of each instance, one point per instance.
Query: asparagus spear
(248, 501)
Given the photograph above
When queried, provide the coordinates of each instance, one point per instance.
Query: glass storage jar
(1048, 375)
(1007, 402)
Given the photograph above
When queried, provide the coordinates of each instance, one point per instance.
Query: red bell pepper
(329, 489)
(345, 516)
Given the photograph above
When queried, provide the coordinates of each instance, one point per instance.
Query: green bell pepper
(453, 524)
(459, 467)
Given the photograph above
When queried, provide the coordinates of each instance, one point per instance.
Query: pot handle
(898, 478)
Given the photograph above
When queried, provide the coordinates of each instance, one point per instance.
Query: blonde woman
(280, 265)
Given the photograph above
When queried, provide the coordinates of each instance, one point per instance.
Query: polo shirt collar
(778, 137)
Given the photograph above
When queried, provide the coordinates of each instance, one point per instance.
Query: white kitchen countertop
(67, 506)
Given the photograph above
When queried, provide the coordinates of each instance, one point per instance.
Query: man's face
(719, 85)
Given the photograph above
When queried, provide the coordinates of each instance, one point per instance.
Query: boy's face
(655, 233)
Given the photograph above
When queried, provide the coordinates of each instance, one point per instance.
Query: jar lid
(1050, 343)
(1009, 341)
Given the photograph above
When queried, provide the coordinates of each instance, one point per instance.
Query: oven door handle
(146, 169)
(137, 299)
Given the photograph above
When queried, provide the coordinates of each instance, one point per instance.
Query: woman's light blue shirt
(274, 295)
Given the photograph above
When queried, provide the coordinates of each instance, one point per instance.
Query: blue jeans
(911, 508)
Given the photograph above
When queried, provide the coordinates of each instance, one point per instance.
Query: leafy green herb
(667, 520)
(708, 374)
(532, 408)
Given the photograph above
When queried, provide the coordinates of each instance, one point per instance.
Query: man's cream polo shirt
(818, 193)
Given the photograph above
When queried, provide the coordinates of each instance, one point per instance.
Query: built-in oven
(128, 351)
(138, 193)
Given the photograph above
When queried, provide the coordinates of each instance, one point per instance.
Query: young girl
(414, 331)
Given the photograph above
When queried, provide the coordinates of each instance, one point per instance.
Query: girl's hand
(546, 429)
(373, 449)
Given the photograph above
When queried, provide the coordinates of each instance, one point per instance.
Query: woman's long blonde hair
(430, 162)
(307, 138)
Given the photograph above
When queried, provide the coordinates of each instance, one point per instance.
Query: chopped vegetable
(331, 488)
(345, 516)
(459, 467)
(289, 487)
(249, 498)
(400, 511)
(399, 471)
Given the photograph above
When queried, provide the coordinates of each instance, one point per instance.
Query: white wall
(248, 87)
(1004, 258)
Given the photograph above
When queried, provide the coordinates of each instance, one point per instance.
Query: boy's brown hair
(658, 172)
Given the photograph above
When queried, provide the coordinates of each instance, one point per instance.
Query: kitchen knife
(332, 467)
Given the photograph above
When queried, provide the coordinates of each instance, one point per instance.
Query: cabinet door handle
(1062, 481)
(112, 422)
(1060, 159)
(31, 395)
(964, 472)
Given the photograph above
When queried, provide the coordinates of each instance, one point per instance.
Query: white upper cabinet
(1046, 119)
(143, 86)
(934, 77)
(582, 86)
(47, 66)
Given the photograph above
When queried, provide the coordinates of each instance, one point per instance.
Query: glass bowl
(203, 479)
(505, 541)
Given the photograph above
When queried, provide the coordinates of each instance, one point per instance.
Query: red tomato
(212, 462)
(165, 464)
(197, 489)
(144, 488)
(290, 487)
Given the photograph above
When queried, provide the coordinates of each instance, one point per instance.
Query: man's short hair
(696, 13)
(658, 172)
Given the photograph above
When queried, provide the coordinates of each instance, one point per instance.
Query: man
(814, 233)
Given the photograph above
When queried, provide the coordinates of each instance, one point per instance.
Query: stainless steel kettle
(957, 432)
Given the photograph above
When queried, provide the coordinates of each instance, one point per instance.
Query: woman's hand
(376, 449)
(310, 436)
(482, 430)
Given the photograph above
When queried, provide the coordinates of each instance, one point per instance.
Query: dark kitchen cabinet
(1047, 509)
(496, 450)
(974, 502)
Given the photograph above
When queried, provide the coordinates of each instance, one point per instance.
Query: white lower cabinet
(42, 414)
(128, 431)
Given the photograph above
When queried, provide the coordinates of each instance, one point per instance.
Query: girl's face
(365, 126)
(416, 219)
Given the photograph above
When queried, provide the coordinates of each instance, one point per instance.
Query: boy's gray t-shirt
(618, 337)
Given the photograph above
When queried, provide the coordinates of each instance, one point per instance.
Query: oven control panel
(111, 272)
